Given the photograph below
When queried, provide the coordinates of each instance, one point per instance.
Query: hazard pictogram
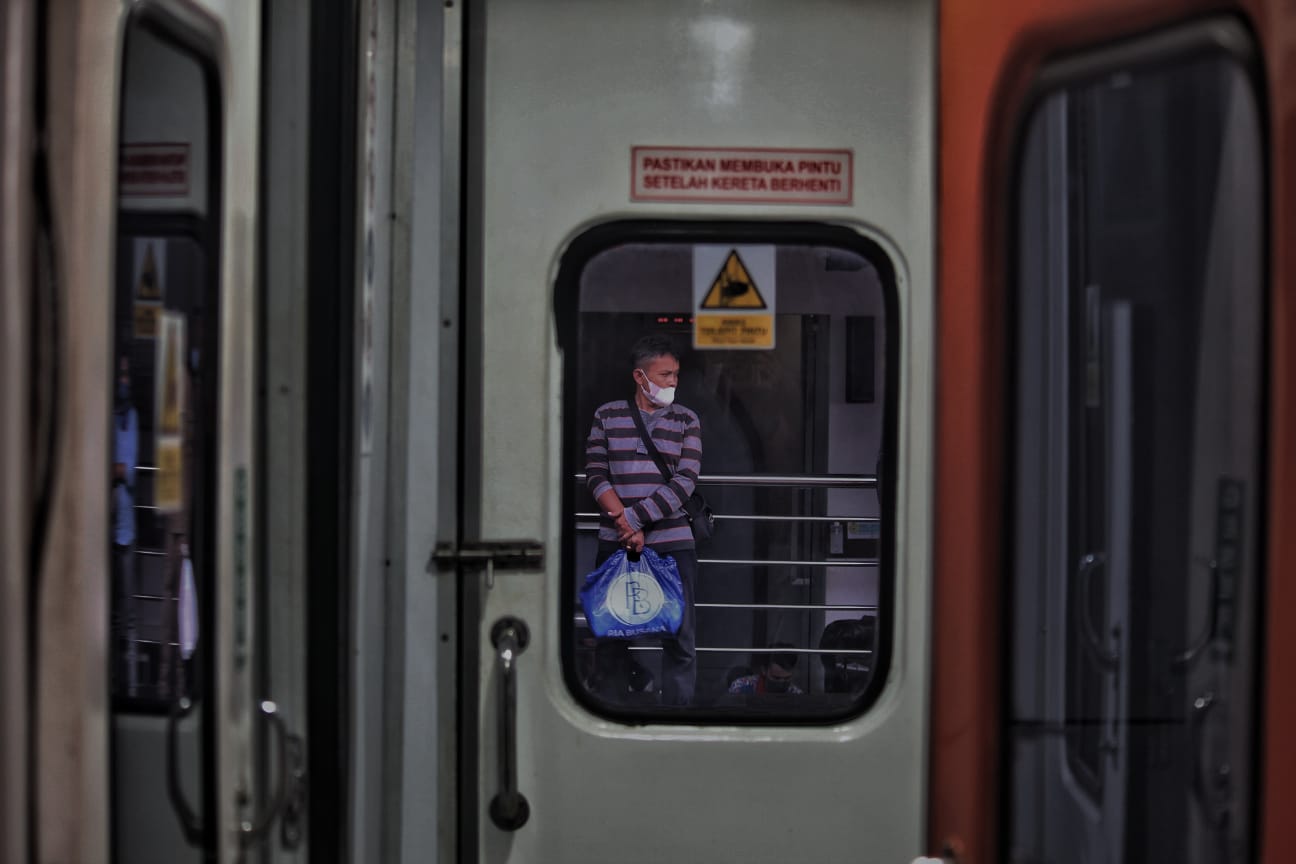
(149, 287)
(733, 287)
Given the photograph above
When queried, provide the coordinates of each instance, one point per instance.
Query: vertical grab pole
(509, 809)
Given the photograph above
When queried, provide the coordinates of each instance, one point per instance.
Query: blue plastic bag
(624, 599)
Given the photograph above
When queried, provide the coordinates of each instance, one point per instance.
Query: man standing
(641, 507)
(125, 458)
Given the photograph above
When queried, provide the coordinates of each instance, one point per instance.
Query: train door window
(164, 423)
(762, 364)
(1138, 456)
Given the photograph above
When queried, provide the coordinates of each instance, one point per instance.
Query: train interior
(792, 444)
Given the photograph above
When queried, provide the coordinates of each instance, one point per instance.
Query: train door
(183, 646)
(616, 188)
(132, 132)
(166, 329)
(1135, 583)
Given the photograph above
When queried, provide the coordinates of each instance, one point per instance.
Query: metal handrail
(579, 617)
(759, 562)
(806, 481)
(779, 650)
(817, 607)
(867, 519)
(741, 518)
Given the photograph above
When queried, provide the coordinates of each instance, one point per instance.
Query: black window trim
(574, 258)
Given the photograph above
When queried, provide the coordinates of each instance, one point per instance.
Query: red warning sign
(752, 175)
(154, 170)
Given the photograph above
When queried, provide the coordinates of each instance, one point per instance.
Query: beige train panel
(72, 763)
(16, 134)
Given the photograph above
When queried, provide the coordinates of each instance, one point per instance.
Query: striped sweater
(616, 458)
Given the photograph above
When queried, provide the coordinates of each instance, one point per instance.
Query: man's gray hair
(649, 348)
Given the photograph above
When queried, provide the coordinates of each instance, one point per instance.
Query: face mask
(662, 396)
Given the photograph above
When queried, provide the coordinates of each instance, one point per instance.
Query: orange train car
(992, 63)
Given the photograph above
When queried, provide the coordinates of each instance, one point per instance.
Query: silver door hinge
(497, 554)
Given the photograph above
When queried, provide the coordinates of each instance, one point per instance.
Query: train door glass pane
(792, 593)
(1138, 453)
(164, 423)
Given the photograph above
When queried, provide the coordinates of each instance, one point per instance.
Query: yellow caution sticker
(734, 295)
(171, 374)
(148, 282)
(168, 488)
(145, 317)
(170, 400)
(735, 331)
(733, 287)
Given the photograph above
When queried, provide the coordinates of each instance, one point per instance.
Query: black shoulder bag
(696, 510)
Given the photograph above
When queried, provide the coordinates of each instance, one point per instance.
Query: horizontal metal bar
(798, 606)
(872, 520)
(764, 650)
(146, 468)
(150, 553)
(752, 562)
(581, 621)
(803, 481)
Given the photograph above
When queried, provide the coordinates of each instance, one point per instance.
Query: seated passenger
(847, 672)
(736, 672)
(774, 674)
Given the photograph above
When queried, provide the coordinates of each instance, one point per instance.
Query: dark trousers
(123, 617)
(617, 672)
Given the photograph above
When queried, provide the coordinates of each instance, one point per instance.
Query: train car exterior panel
(989, 62)
(562, 112)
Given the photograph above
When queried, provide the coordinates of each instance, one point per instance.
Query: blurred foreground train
(985, 320)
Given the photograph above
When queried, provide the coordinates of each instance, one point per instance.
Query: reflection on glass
(1137, 469)
(125, 438)
(163, 429)
(155, 587)
(757, 373)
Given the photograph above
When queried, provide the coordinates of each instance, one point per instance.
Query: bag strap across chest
(648, 442)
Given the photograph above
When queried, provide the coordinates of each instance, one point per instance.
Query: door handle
(189, 824)
(1186, 657)
(251, 832)
(1107, 658)
(290, 823)
(1213, 793)
(509, 809)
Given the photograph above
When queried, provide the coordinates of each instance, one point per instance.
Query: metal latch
(493, 554)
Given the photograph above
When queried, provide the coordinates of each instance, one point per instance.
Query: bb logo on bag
(634, 598)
